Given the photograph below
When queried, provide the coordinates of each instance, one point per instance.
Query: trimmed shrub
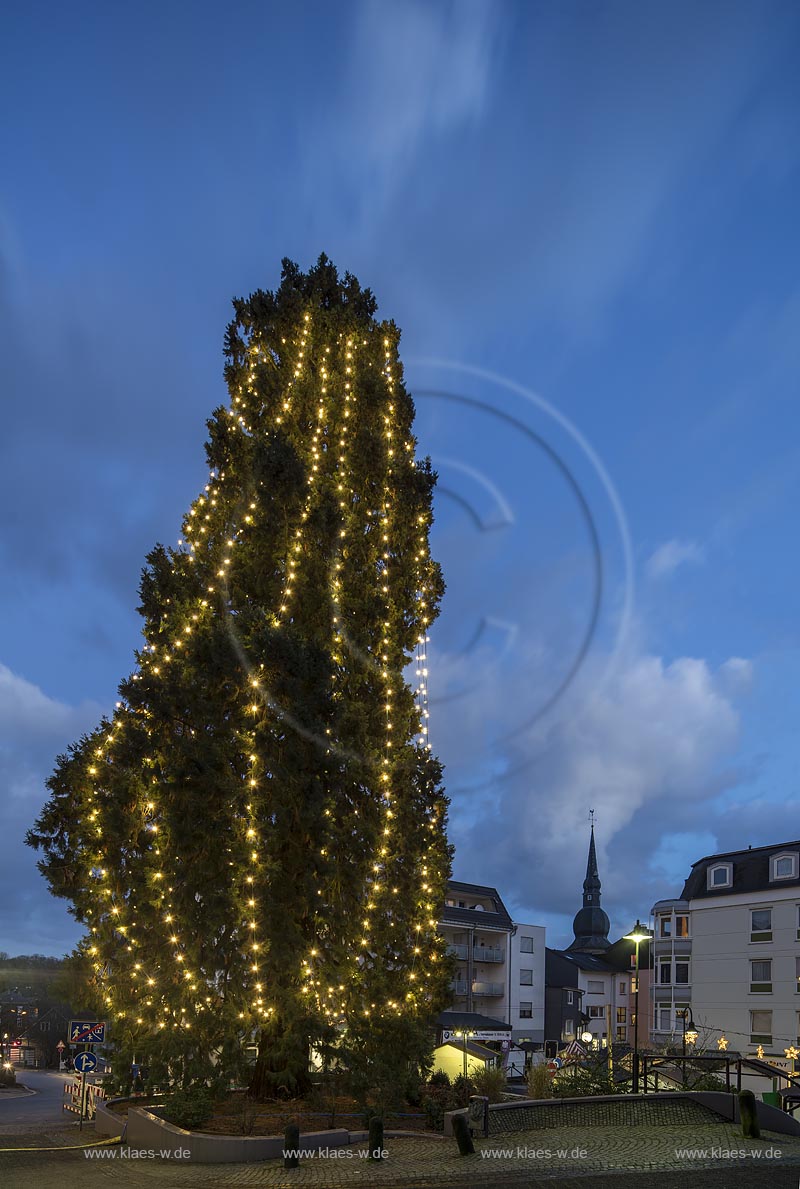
(189, 1109)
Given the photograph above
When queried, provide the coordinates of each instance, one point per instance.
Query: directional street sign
(88, 1032)
(86, 1063)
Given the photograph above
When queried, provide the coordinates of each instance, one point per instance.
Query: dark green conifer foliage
(256, 840)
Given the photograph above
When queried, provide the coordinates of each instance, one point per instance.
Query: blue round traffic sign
(85, 1063)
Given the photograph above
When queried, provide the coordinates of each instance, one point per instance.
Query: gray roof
(750, 872)
(499, 919)
(470, 1019)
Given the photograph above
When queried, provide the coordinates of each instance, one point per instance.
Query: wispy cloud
(672, 554)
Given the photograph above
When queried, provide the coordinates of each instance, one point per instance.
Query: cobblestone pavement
(613, 1157)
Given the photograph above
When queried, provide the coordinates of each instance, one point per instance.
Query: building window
(682, 926)
(720, 875)
(597, 1013)
(623, 989)
(526, 978)
(526, 1011)
(760, 1027)
(622, 1034)
(664, 1019)
(665, 929)
(783, 866)
(634, 985)
(569, 1027)
(665, 972)
(682, 972)
(798, 922)
(570, 996)
(761, 924)
(526, 945)
(44, 1026)
(797, 975)
(761, 975)
(596, 986)
(621, 1015)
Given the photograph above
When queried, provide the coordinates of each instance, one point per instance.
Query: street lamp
(637, 935)
(689, 1034)
(465, 1032)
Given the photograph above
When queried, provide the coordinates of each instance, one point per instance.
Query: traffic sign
(91, 1032)
(86, 1063)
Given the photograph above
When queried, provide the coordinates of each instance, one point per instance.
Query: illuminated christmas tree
(256, 841)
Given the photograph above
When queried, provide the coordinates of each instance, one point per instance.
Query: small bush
(189, 1109)
(440, 1078)
(462, 1089)
(491, 1082)
(540, 1082)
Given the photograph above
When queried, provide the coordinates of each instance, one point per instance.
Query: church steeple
(591, 924)
(591, 885)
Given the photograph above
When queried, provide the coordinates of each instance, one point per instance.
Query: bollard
(291, 1145)
(376, 1138)
(748, 1115)
(463, 1137)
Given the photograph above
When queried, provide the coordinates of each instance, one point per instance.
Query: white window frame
(526, 1010)
(773, 866)
(523, 947)
(764, 985)
(570, 997)
(760, 1036)
(727, 868)
(526, 978)
(759, 936)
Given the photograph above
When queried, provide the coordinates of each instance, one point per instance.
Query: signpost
(84, 1063)
(60, 1046)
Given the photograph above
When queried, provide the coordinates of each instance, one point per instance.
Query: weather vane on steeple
(591, 817)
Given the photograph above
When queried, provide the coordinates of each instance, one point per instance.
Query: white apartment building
(729, 950)
(500, 964)
(526, 1008)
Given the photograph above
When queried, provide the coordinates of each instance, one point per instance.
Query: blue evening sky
(584, 218)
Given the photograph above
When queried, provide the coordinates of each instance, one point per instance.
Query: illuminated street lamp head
(587, 1037)
(638, 933)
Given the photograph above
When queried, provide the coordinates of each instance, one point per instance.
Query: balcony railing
(489, 990)
(480, 953)
(492, 990)
(488, 953)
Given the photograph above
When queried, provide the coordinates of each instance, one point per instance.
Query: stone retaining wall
(690, 1110)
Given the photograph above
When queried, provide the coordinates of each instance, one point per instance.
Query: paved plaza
(579, 1157)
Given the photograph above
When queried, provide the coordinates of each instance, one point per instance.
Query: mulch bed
(239, 1115)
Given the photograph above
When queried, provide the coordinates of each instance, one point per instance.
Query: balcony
(488, 953)
(489, 990)
(460, 988)
(480, 953)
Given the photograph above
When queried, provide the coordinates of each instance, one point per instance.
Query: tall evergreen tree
(256, 840)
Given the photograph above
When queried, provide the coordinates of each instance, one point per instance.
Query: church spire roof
(591, 924)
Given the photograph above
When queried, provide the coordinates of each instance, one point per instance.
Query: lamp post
(465, 1032)
(637, 935)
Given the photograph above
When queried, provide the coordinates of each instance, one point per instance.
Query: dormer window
(783, 866)
(720, 875)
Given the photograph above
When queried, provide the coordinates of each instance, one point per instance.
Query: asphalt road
(32, 1110)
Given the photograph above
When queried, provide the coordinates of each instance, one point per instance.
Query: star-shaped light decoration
(760, 1052)
(722, 1044)
(792, 1053)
